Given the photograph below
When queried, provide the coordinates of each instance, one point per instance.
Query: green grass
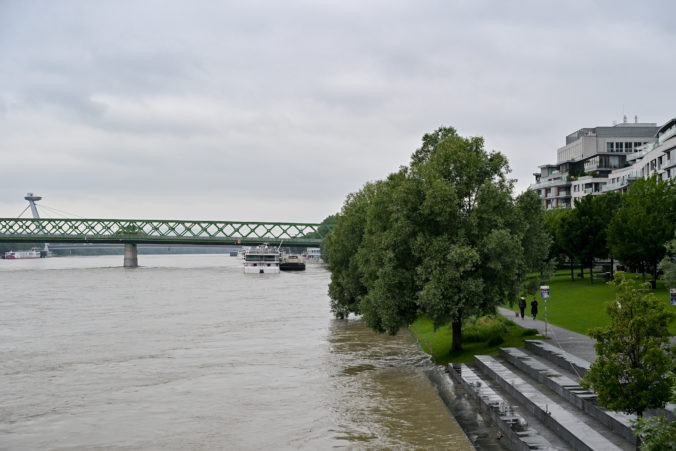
(578, 305)
(485, 335)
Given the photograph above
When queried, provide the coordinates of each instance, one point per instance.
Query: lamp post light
(544, 294)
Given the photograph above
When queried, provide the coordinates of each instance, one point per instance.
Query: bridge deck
(160, 231)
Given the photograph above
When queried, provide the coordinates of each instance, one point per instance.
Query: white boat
(262, 260)
(21, 255)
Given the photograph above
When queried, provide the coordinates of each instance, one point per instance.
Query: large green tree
(633, 371)
(587, 228)
(606, 206)
(443, 238)
(643, 225)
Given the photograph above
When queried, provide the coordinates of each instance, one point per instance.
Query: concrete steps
(503, 412)
(539, 405)
(570, 390)
(580, 366)
(571, 427)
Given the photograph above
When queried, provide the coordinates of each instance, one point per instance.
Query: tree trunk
(572, 269)
(612, 268)
(457, 334)
(591, 272)
(581, 270)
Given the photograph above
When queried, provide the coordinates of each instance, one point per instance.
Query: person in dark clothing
(522, 306)
(534, 308)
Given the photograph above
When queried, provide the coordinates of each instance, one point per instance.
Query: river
(187, 352)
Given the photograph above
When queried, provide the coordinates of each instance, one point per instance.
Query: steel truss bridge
(152, 231)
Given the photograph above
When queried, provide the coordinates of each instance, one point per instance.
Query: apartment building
(606, 158)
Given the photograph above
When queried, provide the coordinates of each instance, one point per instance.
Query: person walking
(534, 308)
(522, 306)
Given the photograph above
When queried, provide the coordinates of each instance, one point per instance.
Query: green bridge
(141, 231)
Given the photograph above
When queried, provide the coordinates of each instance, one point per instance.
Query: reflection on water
(187, 352)
(385, 397)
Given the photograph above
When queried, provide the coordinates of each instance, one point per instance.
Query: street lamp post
(544, 294)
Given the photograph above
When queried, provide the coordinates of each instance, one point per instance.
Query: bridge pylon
(130, 255)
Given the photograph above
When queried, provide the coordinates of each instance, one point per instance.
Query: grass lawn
(483, 336)
(578, 305)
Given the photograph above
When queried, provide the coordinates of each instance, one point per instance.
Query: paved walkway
(577, 344)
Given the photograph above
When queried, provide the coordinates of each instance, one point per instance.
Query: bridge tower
(31, 198)
(31, 201)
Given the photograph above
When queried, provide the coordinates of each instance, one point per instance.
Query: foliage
(645, 222)
(342, 244)
(324, 230)
(536, 239)
(559, 249)
(633, 370)
(442, 238)
(668, 264)
(656, 433)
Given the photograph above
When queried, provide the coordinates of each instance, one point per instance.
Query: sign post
(544, 294)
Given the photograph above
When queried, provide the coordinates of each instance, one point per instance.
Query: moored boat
(23, 255)
(292, 262)
(262, 260)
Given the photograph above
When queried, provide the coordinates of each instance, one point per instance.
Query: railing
(160, 231)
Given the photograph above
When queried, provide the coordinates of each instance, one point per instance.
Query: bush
(529, 332)
(487, 329)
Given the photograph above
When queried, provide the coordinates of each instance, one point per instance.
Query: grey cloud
(178, 99)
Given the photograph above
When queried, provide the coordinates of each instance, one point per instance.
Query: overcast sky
(276, 110)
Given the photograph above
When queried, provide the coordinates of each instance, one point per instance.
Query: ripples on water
(187, 352)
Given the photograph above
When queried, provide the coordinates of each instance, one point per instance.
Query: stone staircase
(533, 396)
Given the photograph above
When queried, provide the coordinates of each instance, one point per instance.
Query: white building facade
(602, 159)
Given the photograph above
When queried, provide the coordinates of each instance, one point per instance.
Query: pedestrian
(522, 306)
(534, 308)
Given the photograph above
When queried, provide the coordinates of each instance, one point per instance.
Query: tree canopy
(443, 238)
(645, 222)
(633, 371)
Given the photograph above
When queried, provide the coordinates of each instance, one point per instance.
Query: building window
(610, 147)
(619, 147)
(628, 147)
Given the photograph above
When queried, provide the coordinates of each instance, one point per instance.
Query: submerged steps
(505, 415)
(571, 428)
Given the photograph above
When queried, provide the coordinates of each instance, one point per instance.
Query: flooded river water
(187, 352)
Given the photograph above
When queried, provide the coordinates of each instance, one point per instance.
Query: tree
(536, 239)
(567, 234)
(442, 238)
(633, 370)
(656, 433)
(386, 260)
(606, 206)
(587, 234)
(668, 264)
(554, 222)
(645, 222)
(469, 239)
(341, 245)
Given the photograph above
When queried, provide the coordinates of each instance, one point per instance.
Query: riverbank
(485, 335)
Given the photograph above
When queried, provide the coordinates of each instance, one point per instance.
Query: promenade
(577, 344)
